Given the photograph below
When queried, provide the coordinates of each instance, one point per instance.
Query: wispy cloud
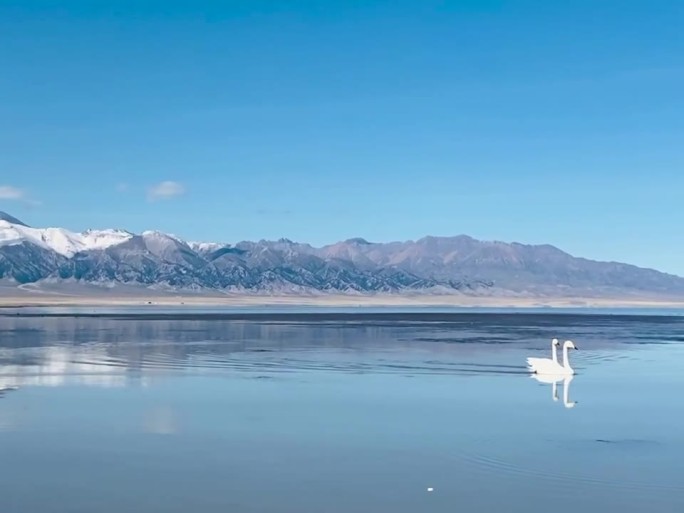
(11, 193)
(165, 190)
(122, 187)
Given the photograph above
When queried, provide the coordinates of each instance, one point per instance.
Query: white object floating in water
(552, 365)
(430, 489)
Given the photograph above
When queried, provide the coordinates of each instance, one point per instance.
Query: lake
(350, 411)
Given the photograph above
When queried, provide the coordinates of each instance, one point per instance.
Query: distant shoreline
(31, 301)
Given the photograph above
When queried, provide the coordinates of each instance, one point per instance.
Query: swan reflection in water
(554, 380)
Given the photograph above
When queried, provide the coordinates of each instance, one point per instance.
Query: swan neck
(566, 361)
(554, 353)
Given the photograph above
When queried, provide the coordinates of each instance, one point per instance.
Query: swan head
(555, 342)
(569, 344)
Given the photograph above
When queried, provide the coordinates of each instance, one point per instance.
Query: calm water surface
(177, 411)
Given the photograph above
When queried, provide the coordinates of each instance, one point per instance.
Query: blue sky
(539, 122)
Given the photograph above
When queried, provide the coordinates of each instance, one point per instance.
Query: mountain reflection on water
(127, 349)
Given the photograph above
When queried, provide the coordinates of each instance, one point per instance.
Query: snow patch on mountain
(103, 239)
(59, 240)
(206, 247)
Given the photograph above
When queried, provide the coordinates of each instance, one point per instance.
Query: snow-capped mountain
(59, 240)
(432, 264)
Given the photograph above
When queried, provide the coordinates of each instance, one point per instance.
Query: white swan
(535, 364)
(567, 370)
(548, 366)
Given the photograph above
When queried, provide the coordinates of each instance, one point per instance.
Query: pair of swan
(552, 365)
(550, 370)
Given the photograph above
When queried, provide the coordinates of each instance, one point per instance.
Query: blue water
(213, 412)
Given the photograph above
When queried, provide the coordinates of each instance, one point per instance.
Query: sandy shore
(40, 300)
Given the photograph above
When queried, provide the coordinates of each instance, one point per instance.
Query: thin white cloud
(11, 193)
(122, 187)
(165, 190)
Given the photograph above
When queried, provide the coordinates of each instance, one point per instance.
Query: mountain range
(431, 265)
